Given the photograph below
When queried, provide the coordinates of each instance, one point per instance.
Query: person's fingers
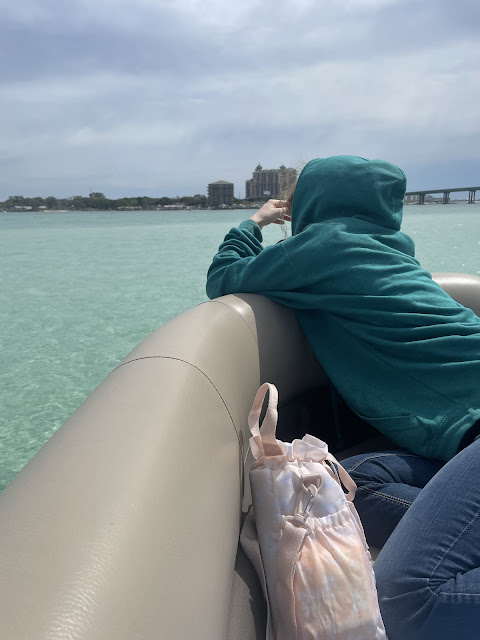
(281, 219)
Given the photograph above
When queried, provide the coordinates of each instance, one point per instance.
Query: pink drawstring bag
(305, 539)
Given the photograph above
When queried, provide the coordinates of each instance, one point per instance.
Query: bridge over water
(446, 194)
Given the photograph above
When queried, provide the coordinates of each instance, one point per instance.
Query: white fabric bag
(305, 539)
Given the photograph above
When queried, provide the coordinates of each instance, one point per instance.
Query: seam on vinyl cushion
(195, 367)
(216, 301)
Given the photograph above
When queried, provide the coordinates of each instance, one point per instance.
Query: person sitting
(404, 356)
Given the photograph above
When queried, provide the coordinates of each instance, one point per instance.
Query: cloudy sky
(160, 97)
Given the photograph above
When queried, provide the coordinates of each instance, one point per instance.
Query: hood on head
(348, 186)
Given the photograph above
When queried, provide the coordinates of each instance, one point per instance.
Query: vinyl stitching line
(195, 367)
(238, 314)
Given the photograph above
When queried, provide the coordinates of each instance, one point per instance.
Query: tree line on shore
(99, 201)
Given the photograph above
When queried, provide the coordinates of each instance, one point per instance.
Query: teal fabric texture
(403, 355)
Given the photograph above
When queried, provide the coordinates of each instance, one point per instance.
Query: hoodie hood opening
(349, 186)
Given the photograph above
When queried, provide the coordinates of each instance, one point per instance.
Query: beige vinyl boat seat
(125, 525)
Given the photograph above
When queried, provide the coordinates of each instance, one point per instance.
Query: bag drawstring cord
(301, 512)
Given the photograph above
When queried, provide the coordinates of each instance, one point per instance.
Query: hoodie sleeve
(242, 265)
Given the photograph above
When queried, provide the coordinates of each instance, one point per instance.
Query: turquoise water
(80, 290)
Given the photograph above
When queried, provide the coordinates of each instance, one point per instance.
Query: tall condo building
(269, 183)
(220, 192)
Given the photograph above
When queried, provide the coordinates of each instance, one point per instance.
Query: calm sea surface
(80, 290)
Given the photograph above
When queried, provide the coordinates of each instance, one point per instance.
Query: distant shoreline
(169, 209)
(252, 207)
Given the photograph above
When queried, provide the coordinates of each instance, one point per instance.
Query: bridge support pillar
(421, 198)
(471, 196)
(446, 197)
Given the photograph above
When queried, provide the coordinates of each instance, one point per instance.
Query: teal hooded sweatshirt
(403, 355)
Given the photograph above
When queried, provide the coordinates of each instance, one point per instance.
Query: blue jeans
(426, 516)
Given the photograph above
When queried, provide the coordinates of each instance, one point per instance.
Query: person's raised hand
(272, 211)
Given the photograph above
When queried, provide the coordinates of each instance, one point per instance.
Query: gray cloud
(81, 36)
(163, 97)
